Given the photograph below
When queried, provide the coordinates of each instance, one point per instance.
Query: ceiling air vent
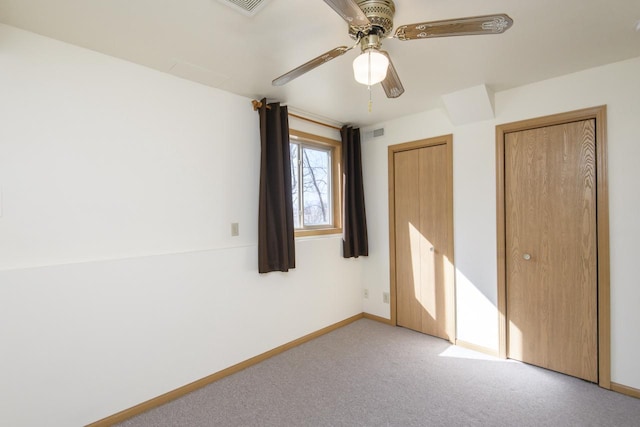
(246, 7)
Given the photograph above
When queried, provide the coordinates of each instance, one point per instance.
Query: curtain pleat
(276, 244)
(354, 242)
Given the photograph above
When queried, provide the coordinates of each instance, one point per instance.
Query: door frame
(602, 227)
(447, 141)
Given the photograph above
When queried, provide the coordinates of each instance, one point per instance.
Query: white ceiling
(211, 43)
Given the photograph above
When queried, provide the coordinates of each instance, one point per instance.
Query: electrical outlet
(235, 229)
(366, 293)
(385, 297)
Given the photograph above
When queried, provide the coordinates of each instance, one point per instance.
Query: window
(315, 184)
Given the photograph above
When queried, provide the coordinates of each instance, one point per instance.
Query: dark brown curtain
(276, 245)
(354, 242)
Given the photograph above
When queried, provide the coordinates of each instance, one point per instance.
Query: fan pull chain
(369, 85)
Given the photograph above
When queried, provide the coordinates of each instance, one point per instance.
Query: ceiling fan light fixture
(370, 67)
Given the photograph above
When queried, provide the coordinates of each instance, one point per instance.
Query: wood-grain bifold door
(551, 247)
(422, 233)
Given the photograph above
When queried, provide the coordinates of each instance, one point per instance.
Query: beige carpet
(371, 374)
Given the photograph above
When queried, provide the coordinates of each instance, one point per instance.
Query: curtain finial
(258, 104)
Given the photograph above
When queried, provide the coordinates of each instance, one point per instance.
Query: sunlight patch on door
(423, 265)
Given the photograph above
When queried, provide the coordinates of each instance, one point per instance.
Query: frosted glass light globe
(370, 67)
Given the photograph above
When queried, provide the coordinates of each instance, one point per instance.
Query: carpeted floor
(371, 374)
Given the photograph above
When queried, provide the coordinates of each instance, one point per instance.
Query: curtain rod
(257, 104)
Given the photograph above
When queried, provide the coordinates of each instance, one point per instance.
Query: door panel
(407, 212)
(551, 242)
(424, 285)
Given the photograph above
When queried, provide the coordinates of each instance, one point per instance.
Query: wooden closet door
(551, 248)
(423, 249)
(408, 256)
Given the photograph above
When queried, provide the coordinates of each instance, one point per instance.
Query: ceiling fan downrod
(380, 15)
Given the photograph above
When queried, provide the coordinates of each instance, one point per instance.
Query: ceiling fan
(370, 21)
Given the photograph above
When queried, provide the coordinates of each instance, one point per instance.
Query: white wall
(119, 279)
(615, 85)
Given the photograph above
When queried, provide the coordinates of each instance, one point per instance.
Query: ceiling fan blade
(487, 24)
(350, 12)
(391, 84)
(310, 65)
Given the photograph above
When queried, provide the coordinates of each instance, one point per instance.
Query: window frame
(335, 148)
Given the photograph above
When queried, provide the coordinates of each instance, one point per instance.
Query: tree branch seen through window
(314, 192)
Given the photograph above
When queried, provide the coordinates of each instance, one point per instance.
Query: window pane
(295, 183)
(316, 186)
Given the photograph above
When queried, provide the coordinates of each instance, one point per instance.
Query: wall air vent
(378, 132)
(246, 7)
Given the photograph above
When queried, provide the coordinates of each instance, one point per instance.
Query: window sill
(317, 232)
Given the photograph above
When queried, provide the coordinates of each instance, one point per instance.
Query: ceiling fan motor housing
(380, 14)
